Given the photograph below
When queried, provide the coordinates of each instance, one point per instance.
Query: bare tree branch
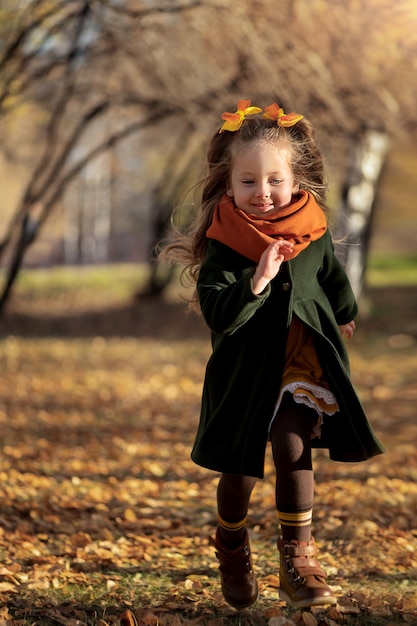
(140, 13)
(98, 61)
(16, 61)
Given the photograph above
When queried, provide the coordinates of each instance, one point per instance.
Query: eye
(276, 181)
(247, 181)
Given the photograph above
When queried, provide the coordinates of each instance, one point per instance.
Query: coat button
(286, 286)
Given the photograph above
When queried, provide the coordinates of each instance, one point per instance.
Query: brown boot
(302, 580)
(239, 585)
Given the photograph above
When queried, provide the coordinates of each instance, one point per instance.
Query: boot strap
(301, 567)
(292, 550)
(233, 560)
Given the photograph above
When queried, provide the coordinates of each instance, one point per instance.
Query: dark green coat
(249, 335)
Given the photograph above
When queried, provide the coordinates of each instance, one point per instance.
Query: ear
(295, 187)
(229, 193)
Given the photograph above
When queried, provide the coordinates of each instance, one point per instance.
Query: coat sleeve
(335, 283)
(224, 289)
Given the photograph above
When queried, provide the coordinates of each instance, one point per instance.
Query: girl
(278, 304)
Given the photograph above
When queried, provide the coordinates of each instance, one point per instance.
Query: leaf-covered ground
(104, 519)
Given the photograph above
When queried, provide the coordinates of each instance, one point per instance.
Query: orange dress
(303, 376)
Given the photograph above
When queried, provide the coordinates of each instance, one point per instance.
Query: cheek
(238, 192)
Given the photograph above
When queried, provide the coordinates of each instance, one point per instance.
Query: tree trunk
(27, 234)
(354, 226)
(178, 172)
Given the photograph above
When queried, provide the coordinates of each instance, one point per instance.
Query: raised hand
(270, 263)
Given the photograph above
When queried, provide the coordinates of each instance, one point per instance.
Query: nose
(263, 190)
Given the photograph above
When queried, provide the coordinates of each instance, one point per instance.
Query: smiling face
(261, 179)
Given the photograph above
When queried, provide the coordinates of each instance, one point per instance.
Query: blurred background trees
(106, 107)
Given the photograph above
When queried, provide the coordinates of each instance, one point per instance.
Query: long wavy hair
(189, 248)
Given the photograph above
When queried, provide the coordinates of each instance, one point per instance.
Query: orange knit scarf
(300, 222)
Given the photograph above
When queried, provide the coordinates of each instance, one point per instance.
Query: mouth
(263, 207)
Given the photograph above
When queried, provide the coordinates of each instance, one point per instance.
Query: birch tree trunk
(354, 226)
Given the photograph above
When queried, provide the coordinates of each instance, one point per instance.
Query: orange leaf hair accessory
(233, 121)
(275, 112)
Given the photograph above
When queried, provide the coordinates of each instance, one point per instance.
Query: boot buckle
(295, 577)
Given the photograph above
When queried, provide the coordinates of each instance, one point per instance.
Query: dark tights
(233, 495)
(291, 448)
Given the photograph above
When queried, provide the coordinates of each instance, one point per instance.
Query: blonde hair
(306, 161)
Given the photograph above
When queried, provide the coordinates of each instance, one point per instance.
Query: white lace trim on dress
(300, 398)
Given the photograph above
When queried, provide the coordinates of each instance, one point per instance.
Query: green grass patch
(118, 279)
(386, 269)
